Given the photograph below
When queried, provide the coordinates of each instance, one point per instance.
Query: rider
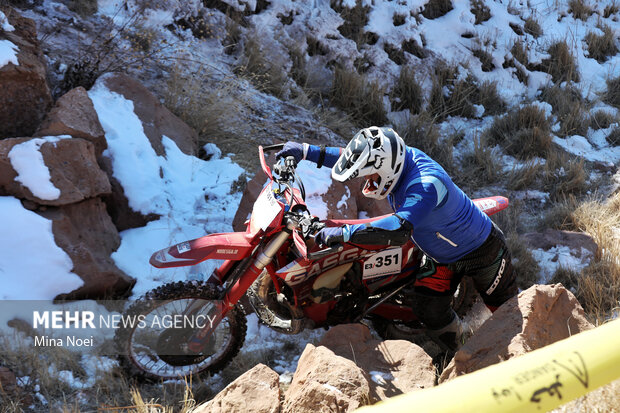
(456, 237)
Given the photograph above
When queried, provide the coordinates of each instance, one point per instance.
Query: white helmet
(372, 151)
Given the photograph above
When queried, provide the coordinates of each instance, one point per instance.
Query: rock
(157, 121)
(74, 114)
(325, 382)
(355, 206)
(537, 317)
(550, 238)
(255, 391)
(394, 366)
(86, 233)
(72, 167)
(25, 96)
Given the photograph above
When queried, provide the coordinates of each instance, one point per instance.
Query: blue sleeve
(420, 198)
(331, 155)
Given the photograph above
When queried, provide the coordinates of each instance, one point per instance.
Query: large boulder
(157, 121)
(324, 381)
(74, 174)
(86, 233)
(255, 391)
(74, 114)
(394, 366)
(25, 96)
(537, 317)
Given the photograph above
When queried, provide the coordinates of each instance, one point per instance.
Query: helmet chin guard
(372, 151)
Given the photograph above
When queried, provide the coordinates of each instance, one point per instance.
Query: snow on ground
(559, 257)
(8, 50)
(32, 266)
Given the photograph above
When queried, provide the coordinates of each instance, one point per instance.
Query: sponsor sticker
(183, 247)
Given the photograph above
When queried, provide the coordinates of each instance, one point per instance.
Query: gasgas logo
(296, 273)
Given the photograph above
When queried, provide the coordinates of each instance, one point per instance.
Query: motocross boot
(450, 337)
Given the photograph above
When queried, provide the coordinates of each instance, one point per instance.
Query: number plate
(266, 209)
(383, 263)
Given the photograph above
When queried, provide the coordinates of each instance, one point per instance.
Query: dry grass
(599, 286)
(531, 26)
(580, 9)
(614, 136)
(359, 97)
(436, 8)
(486, 59)
(458, 99)
(525, 176)
(612, 95)
(354, 21)
(564, 176)
(422, 132)
(480, 166)
(265, 72)
(610, 9)
(488, 96)
(570, 109)
(524, 133)
(480, 10)
(561, 64)
(407, 92)
(519, 52)
(560, 215)
(84, 8)
(600, 47)
(602, 119)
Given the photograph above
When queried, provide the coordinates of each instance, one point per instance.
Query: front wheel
(154, 345)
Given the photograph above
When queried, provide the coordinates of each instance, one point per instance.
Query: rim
(145, 343)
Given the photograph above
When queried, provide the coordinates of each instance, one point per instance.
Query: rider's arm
(322, 155)
(392, 230)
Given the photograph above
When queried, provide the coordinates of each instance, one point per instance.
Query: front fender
(230, 246)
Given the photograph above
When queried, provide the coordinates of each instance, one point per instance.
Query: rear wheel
(157, 349)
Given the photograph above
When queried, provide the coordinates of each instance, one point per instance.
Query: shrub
(612, 95)
(359, 97)
(480, 10)
(531, 26)
(407, 93)
(600, 47)
(561, 65)
(610, 9)
(569, 108)
(523, 133)
(580, 9)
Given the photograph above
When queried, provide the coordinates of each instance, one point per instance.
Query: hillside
(513, 98)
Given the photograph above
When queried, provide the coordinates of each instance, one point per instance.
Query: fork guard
(229, 246)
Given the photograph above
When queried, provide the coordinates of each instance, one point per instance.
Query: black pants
(490, 267)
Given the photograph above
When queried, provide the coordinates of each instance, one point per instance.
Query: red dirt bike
(291, 284)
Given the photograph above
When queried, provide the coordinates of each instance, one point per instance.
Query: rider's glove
(333, 235)
(294, 149)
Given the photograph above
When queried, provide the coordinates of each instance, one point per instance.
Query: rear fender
(492, 204)
(231, 246)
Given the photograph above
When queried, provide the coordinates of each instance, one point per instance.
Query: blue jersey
(447, 225)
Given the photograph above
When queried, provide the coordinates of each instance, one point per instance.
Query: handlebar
(274, 147)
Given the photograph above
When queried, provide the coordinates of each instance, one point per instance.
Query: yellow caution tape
(535, 382)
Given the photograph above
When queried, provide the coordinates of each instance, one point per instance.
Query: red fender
(230, 246)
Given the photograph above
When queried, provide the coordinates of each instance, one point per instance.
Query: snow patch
(32, 172)
(559, 256)
(4, 23)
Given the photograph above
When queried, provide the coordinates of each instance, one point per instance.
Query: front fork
(198, 341)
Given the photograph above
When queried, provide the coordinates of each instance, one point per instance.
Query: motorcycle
(290, 283)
